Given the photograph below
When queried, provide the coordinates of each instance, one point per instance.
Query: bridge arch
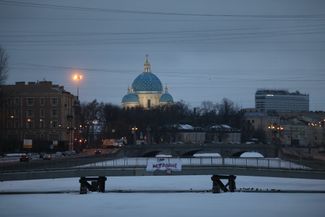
(190, 153)
(207, 154)
(152, 153)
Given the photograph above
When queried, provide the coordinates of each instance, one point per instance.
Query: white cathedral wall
(130, 105)
(153, 97)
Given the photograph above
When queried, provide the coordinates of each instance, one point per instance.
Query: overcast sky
(203, 50)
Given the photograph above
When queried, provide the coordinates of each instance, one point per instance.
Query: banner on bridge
(164, 164)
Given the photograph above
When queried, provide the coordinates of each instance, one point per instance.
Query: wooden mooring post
(97, 184)
(217, 184)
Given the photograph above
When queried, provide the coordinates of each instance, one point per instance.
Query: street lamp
(77, 77)
(276, 131)
(70, 132)
(134, 132)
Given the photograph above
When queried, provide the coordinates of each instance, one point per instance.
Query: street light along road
(77, 77)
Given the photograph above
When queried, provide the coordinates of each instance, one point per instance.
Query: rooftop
(34, 87)
(277, 92)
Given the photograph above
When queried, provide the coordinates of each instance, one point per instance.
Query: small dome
(130, 98)
(166, 98)
(147, 81)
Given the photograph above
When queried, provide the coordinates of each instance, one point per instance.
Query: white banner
(164, 164)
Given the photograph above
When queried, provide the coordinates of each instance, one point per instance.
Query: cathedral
(146, 91)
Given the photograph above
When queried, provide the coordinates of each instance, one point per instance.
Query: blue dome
(167, 98)
(130, 98)
(147, 81)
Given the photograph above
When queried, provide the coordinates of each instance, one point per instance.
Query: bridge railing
(204, 161)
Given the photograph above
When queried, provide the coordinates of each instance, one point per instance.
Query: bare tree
(208, 107)
(229, 112)
(3, 65)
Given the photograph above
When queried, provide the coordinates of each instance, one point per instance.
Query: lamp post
(134, 132)
(77, 77)
(94, 137)
(276, 131)
(70, 132)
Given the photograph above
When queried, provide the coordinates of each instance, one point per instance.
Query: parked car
(69, 153)
(58, 154)
(47, 157)
(24, 158)
(98, 152)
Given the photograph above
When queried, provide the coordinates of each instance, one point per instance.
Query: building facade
(41, 113)
(146, 91)
(303, 129)
(187, 134)
(260, 120)
(281, 101)
(223, 134)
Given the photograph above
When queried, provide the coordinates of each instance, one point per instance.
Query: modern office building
(37, 115)
(281, 101)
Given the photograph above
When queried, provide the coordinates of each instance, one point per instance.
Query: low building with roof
(222, 133)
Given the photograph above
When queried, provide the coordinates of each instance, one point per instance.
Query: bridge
(188, 150)
(219, 168)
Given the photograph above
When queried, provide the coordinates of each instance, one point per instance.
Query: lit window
(54, 124)
(29, 123)
(41, 123)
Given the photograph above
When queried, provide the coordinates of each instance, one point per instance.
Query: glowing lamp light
(77, 77)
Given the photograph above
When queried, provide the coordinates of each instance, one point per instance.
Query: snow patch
(252, 154)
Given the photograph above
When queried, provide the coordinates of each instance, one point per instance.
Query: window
(54, 112)
(30, 101)
(29, 113)
(29, 123)
(11, 102)
(9, 124)
(149, 103)
(54, 124)
(16, 101)
(54, 101)
(41, 112)
(42, 137)
(41, 123)
(42, 101)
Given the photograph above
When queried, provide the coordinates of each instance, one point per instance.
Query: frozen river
(147, 198)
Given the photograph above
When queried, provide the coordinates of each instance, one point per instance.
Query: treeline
(105, 120)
